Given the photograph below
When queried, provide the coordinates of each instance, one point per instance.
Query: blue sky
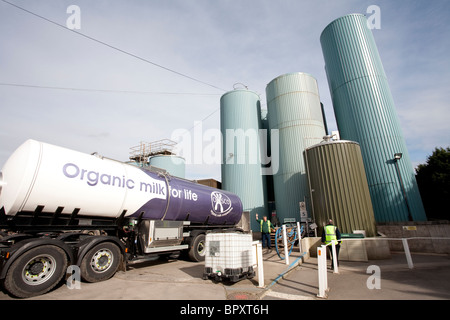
(218, 42)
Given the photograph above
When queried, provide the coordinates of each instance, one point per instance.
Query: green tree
(433, 179)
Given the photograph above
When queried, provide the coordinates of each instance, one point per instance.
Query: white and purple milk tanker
(40, 174)
(46, 191)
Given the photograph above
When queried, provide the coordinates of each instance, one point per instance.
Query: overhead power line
(111, 46)
(106, 90)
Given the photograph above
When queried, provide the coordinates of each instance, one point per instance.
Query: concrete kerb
(275, 269)
(298, 260)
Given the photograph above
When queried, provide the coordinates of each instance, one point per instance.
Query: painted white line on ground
(287, 296)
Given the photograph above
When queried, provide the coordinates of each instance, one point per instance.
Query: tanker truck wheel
(101, 262)
(36, 271)
(197, 248)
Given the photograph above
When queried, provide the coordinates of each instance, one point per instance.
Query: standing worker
(331, 232)
(266, 227)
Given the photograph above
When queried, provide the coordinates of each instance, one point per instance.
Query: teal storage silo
(365, 113)
(294, 110)
(174, 165)
(240, 124)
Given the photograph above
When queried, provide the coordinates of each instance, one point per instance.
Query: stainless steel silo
(365, 113)
(338, 186)
(240, 124)
(294, 109)
(174, 165)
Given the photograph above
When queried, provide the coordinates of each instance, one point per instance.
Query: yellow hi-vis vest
(268, 224)
(330, 234)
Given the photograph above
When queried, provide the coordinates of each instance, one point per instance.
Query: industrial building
(362, 179)
(365, 113)
(158, 154)
(338, 186)
(365, 178)
(240, 124)
(294, 109)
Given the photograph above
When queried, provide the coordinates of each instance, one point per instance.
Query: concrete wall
(309, 245)
(379, 248)
(355, 249)
(244, 223)
(427, 229)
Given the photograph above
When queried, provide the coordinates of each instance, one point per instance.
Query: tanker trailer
(60, 208)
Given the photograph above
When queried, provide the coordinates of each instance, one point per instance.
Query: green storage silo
(240, 122)
(338, 186)
(365, 113)
(294, 109)
(174, 165)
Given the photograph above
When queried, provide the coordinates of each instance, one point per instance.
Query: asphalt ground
(389, 279)
(181, 280)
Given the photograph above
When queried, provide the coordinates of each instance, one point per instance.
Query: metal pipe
(396, 158)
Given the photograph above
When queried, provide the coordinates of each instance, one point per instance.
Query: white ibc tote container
(229, 256)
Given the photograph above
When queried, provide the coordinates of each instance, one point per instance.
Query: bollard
(407, 253)
(333, 250)
(322, 271)
(259, 261)
(286, 249)
(299, 236)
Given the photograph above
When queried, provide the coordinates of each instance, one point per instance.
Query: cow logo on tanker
(221, 204)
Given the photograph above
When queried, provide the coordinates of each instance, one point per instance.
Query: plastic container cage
(228, 257)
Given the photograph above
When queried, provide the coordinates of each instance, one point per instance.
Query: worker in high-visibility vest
(330, 233)
(266, 228)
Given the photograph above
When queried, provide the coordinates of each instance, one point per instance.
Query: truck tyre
(101, 262)
(36, 271)
(197, 248)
